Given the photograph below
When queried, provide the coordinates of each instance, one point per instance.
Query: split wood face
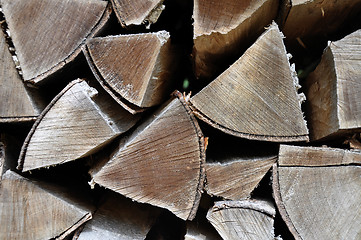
(256, 97)
(221, 27)
(310, 18)
(333, 89)
(120, 218)
(247, 219)
(16, 104)
(72, 126)
(133, 68)
(28, 211)
(236, 180)
(161, 162)
(137, 12)
(47, 34)
(317, 191)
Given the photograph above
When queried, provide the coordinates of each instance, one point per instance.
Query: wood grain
(28, 211)
(16, 105)
(72, 126)
(135, 69)
(237, 179)
(161, 162)
(312, 18)
(256, 97)
(248, 219)
(319, 201)
(333, 90)
(47, 34)
(120, 218)
(223, 29)
(137, 12)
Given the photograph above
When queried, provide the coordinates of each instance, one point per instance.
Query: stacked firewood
(180, 119)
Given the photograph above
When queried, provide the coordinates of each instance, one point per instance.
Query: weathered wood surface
(16, 103)
(134, 69)
(137, 12)
(161, 162)
(47, 34)
(237, 179)
(317, 191)
(256, 97)
(3, 163)
(222, 29)
(75, 124)
(120, 218)
(333, 90)
(200, 229)
(247, 219)
(29, 211)
(318, 18)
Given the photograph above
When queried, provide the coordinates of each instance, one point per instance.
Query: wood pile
(174, 119)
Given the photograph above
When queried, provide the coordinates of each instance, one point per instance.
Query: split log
(49, 34)
(256, 97)
(17, 104)
(200, 229)
(137, 12)
(317, 191)
(237, 179)
(333, 90)
(160, 162)
(136, 70)
(29, 210)
(223, 29)
(318, 18)
(120, 218)
(248, 219)
(75, 124)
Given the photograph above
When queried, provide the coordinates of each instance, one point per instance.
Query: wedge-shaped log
(161, 162)
(237, 179)
(247, 219)
(120, 218)
(29, 210)
(223, 29)
(75, 124)
(17, 104)
(256, 97)
(47, 34)
(333, 90)
(317, 191)
(135, 69)
(137, 12)
(318, 18)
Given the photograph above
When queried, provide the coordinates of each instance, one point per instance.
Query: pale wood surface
(200, 231)
(28, 211)
(319, 201)
(248, 219)
(137, 12)
(75, 124)
(256, 97)
(224, 28)
(137, 67)
(316, 156)
(161, 162)
(16, 104)
(120, 218)
(236, 180)
(47, 34)
(334, 88)
(318, 17)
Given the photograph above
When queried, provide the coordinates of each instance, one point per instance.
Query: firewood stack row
(180, 119)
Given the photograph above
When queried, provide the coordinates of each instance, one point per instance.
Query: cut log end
(162, 161)
(261, 112)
